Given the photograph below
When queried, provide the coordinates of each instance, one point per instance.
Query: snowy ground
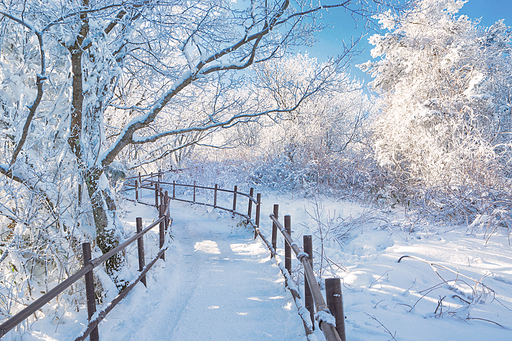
(219, 284)
(468, 298)
(387, 300)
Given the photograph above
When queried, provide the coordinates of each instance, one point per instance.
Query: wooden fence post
(335, 304)
(162, 230)
(308, 296)
(249, 209)
(274, 227)
(174, 189)
(140, 179)
(258, 209)
(156, 194)
(80, 194)
(140, 249)
(89, 290)
(136, 191)
(159, 175)
(287, 247)
(194, 201)
(234, 200)
(215, 196)
(168, 209)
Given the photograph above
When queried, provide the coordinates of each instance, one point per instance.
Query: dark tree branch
(126, 136)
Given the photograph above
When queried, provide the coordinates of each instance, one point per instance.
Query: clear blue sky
(343, 27)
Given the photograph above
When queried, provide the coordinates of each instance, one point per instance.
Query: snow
(380, 293)
(218, 283)
(325, 316)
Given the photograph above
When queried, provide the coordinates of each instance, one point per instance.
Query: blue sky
(343, 27)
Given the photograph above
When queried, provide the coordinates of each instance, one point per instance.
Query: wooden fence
(95, 318)
(333, 327)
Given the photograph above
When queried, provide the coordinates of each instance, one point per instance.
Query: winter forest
(94, 91)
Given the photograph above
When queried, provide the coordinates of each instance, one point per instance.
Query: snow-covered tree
(445, 83)
(305, 146)
(87, 86)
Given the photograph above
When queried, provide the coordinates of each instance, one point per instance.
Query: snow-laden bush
(38, 251)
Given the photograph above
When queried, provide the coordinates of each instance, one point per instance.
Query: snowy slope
(387, 300)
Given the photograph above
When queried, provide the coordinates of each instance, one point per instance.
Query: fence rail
(139, 182)
(326, 321)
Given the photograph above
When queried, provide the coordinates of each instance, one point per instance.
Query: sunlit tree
(445, 83)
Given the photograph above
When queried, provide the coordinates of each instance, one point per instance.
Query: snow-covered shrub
(38, 250)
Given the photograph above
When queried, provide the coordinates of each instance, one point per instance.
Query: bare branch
(127, 135)
(82, 12)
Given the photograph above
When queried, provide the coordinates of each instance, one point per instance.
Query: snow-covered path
(217, 283)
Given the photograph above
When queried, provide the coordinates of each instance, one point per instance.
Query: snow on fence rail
(95, 318)
(333, 327)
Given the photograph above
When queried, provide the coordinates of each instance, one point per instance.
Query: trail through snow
(217, 283)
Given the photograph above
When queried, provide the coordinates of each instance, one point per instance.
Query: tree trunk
(106, 238)
(102, 204)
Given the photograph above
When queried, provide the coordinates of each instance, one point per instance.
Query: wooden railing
(87, 272)
(154, 182)
(333, 327)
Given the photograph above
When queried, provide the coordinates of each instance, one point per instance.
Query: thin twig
(378, 279)
(486, 320)
(383, 326)
(440, 305)
(376, 304)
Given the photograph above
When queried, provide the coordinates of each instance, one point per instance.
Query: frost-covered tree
(305, 146)
(445, 84)
(90, 87)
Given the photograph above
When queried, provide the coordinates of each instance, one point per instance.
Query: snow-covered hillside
(465, 294)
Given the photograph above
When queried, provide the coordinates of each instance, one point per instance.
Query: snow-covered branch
(40, 78)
